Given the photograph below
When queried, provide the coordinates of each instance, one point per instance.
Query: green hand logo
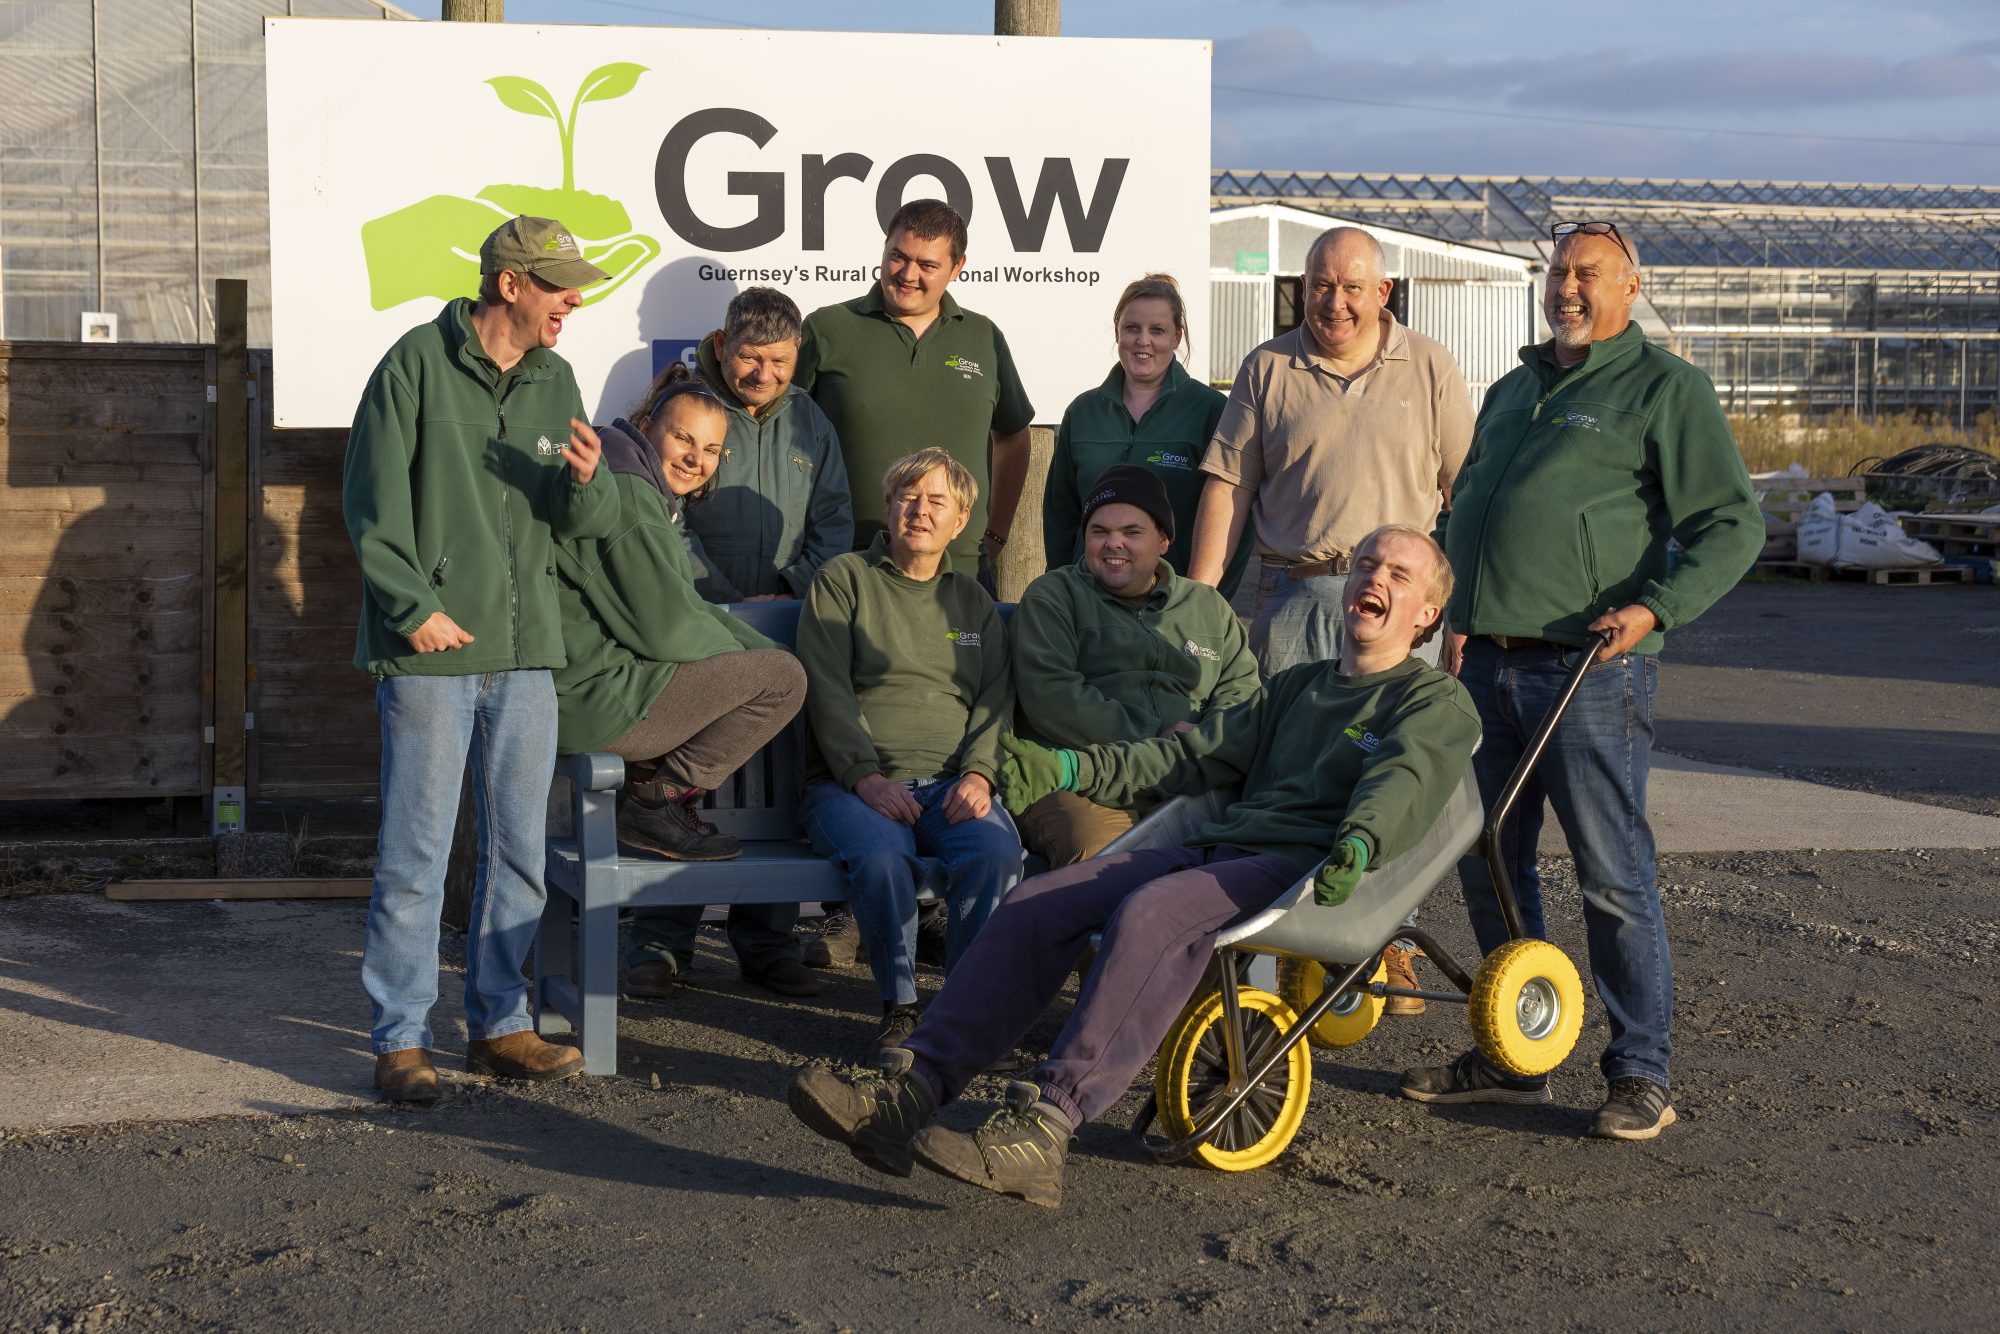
(431, 248)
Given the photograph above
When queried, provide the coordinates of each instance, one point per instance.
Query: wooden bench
(590, 879)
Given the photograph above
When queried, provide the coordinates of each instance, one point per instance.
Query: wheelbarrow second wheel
(1526, 1008)
(1347, 1020)
(1192, 1076)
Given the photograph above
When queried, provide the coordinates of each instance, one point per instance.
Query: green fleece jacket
(1577, 482)
(1097, 431)
(1090, 667)
(906, 678)
(630, 613)
(777, 508)
(1319, 755)
(455, 491)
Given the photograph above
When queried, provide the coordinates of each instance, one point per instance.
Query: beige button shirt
(1331, 459)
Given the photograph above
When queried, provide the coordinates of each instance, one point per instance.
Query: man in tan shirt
(1348, 422)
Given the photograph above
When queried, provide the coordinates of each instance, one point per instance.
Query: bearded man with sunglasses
(1589, 463)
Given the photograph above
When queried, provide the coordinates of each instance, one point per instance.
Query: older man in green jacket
(1118, 647)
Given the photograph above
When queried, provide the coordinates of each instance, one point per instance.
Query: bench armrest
(600, 771)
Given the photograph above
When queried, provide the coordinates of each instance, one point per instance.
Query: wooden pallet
(1957, 534)
(1786, 498)
(1913, 577)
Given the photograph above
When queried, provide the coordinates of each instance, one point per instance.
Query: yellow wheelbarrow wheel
(1348, 1020)
(1526, 1008)
(1192, 1076)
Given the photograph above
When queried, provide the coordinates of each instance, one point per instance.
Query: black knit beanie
(1130, 484)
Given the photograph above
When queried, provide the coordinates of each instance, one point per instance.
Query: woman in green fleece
(679, 688)
(1148, 412)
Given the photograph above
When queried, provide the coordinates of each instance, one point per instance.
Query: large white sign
(695, 163)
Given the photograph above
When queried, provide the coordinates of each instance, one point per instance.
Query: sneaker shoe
(1636, 1108)
(838, 944)
(1402, 973)
(932, 942)
(873, 1112)
(898, 1022)
(407, 1076)
(652, 817)
(1469, 1079)
(787, 977)
(522, 1055)
(651, 978)
(1018, 1152)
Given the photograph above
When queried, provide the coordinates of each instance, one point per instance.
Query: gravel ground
(1834, 1165)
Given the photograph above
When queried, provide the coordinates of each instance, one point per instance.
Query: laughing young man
(1311, 798)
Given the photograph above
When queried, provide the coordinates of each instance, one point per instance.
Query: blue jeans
(507, 721)
(1300, 620)
(1594, 775)
(883, 861)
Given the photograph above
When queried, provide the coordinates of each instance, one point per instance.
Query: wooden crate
(105, 582)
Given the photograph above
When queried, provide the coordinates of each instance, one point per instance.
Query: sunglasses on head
(677, 389)
(1610, 229)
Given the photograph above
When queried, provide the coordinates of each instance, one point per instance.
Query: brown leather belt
(1511, 642)
(1310, 569)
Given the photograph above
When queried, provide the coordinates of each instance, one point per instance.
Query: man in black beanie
(1118, 647)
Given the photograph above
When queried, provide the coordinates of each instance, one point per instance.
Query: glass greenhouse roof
(1677, 224)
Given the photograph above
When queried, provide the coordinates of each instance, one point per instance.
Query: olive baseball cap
(539, 246)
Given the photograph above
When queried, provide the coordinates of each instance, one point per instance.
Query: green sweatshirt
(630, 615)
(1090, 667)
(1097, 431)
(907, 678)
(1319, 756)
(1576, 483)
(455, 491)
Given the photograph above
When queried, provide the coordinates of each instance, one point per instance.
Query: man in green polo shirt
(904, 367)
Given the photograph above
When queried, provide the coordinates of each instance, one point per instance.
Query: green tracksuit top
(1090, 667)
(905, 678)
(1576, 483)
(1097, 431)
(1319, 756)
(455, 492)
(630, 613)
(777, 508)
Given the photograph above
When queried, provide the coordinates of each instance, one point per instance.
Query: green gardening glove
(1334, 881)
(1030, 772)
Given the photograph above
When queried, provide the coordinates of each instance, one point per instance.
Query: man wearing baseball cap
(1118, 647)
(469, 455)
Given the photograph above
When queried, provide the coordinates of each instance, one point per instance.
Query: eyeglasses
(1610, 229)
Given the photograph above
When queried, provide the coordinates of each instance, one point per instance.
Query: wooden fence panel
(316, 732)
(104, 579)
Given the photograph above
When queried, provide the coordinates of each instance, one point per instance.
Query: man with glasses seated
(1588, 463)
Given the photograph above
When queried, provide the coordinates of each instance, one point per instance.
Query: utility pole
(1021, 559)
(462, 867)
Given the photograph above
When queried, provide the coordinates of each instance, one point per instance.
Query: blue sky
(1778, 90)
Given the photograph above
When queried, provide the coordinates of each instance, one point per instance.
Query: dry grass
(1831, 447)
(20, 882)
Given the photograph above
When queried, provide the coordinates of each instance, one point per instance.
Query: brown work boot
(522, 1055)
(1402, 973)
(407, 1076)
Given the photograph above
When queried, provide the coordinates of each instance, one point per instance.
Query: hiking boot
(407, 1076)
(522, 1055)
(652, 817)
(1018, 1152)
(651, 978)
(787, 977)
(838, 944)
(873, 1112)
(1401, 973)
(898, 1022)
(933, 945)
(1636, 1108)
(1470, 1079)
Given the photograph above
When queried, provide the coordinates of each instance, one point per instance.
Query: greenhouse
(1813, 298)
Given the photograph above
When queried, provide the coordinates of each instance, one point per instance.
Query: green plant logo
(431, 248)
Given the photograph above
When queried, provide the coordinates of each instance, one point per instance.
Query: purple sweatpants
(1160, 912)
